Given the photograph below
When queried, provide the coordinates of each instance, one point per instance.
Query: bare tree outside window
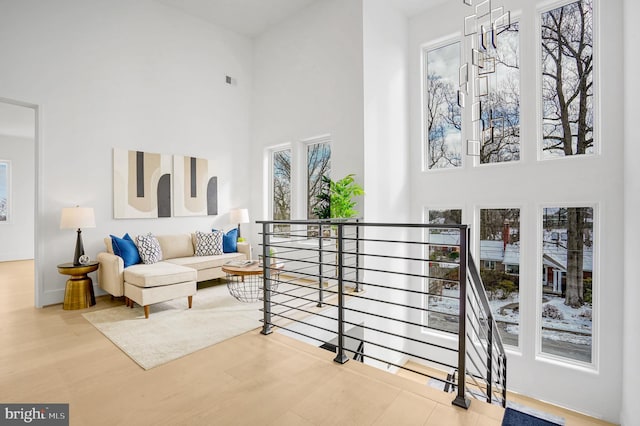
(501, 109)
(567, 102)
(443, 118)
(318, 165)
(567, 80)
(282, 188)
(567, 282)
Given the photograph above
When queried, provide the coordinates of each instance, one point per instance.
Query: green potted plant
(336, 200)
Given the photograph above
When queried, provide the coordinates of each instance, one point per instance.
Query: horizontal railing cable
(435, 345)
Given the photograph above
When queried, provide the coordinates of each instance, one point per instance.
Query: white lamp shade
(77, 217)
(239, 216)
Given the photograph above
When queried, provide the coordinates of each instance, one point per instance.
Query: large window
(443, 271)
(501, 107)
(318, 165)
(500, 268)
(442, 112)
(281, 166)
(567, 282)
(567, 80)
(297, 173)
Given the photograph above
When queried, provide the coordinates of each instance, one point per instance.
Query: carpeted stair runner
(518, 418)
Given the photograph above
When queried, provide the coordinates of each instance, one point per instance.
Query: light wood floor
(50, 355)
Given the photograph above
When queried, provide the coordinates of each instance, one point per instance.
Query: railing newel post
(461, 400)
(489, 357)
(266, 280)
(320, 263)
(341, 357)
(504, 381)
(357, 256)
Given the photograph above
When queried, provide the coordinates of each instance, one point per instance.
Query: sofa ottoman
(158, 282)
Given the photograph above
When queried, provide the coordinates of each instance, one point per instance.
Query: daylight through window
(443, 118)
(501, 108)
(443, 271)
(281, 166)
(567, 282)
(500, 268)
(567, 80)
(318, 165)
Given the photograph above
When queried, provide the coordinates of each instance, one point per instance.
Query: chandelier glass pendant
(481, 31)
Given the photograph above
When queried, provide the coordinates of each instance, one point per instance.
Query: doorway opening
(19, 185)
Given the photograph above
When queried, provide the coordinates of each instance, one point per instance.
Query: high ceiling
(251, 17)
(247, 17)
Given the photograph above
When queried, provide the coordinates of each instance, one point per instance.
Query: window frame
(299, 191)
(271, 151)
(304, 188)
(424, 73)
(523, 294)
(595, 285)
(597, 145)
(475, 159)
(424, 317)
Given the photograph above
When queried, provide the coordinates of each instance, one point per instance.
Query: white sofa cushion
(179, 245)
(206, 262)
(158, 274)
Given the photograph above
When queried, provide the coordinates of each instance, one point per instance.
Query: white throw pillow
(149, 248)
(208, 244)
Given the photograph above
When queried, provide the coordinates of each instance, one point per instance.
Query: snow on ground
(574, 327)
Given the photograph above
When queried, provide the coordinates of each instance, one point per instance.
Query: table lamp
(239, 216)
(76, 218)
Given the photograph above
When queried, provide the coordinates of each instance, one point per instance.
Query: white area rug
(172, 330)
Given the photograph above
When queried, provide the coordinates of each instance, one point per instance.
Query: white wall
(631, 349)
(17, 235)
(386, 158)
(134, 75)
(386, 151)
(307, 83)
(531, 184)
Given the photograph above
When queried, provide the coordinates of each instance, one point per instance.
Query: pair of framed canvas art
(149, 185)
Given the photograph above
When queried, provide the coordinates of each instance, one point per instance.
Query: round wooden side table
(245, 282)
(78, 293)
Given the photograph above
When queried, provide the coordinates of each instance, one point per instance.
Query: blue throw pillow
(126, 249)
(230, 241)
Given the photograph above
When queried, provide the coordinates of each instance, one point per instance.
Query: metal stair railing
(374, 278)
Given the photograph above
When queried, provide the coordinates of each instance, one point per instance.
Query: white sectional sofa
(176, 275)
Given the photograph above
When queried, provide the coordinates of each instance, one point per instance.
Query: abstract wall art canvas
(195, 188)
(5, 188)
(141, 184)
